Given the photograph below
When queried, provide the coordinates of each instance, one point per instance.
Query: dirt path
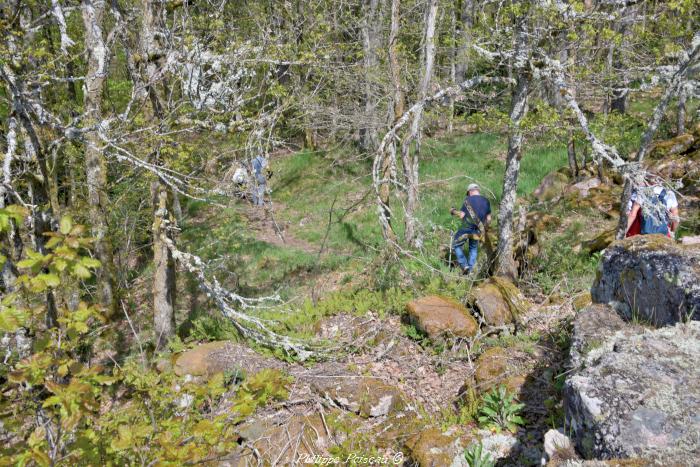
(273, 230)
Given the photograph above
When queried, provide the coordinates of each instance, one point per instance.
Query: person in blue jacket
(475, 214)
(259, 180)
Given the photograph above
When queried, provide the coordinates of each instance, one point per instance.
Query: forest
(227, 236)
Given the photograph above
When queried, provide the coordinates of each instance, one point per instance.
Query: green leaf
(53, 242)
(27, 263)
(51, 280)
(66, 224)
(81, 271)
(90, 262)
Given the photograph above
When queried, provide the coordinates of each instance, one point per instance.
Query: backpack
(652, 225)
(474, 220)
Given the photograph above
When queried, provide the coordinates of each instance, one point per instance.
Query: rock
(433, 448)
(552, 187)
(671, 147)
(498, 445)
(491, 304)
(592, 327)
(440, 316)
(584, 186)
(495, 368)
(638, 397)
(695, 240)
(557, 447)
(211, 358)
(581, 301)
(499, 301)
(369, 397)
(540, 222)
(293, 442)
(599, 242)
(655, 277)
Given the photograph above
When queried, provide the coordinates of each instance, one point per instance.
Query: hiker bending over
(259, 181)
(475, 214)
(659, 211)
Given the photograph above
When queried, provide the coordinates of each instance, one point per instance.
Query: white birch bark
(370, 62)
(505, 264)
(410, 159)
(93, 12)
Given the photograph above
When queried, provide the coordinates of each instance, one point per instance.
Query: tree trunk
(571, 153)
(40, 219)
(410, 161)
(505, 264)
(370, 45)
(680, 120)
(95, 168)
(164, 266)
(463, 36)
(389, 161)
(10, 242)
(164, 273)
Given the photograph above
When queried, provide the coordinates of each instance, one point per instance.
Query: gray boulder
(635, 394)
(651, 278)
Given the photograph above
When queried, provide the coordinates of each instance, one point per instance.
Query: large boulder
(583, 187)
(208, 359)
(552, 187)
(441, 317)
(499, 301)
(434, 448)
(366, 396)
(673, 146)
(600, 241)
(294, 441)
(652, 278)
(496, 367)
(592, 328)
(635, 395)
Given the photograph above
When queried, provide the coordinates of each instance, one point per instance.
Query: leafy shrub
(499, 410)
(60, 407)
(476, 457)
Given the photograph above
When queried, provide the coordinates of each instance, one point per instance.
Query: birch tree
(93, 13)
(410, 158)
(505, 264)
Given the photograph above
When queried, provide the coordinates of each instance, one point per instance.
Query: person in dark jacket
(259, 180)
(475, 214)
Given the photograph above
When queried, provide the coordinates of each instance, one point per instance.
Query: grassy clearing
(309, 184)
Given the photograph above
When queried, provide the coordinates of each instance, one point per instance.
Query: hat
(473, 186)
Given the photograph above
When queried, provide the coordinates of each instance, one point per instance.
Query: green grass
(250, 265)
(308, 184)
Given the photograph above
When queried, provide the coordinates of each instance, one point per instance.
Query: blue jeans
(465, 263)
(259, 194)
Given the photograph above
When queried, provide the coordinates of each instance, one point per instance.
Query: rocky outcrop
(599, 242)
(434, 448)
(499, 301)
(671, 147)
(368, 397)
(441, 317)
(635, 394)
(652, 277)
(208, 359)
(552, 187)
(582, 188)
(496, 367)
(294, 442)
(593, 327)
